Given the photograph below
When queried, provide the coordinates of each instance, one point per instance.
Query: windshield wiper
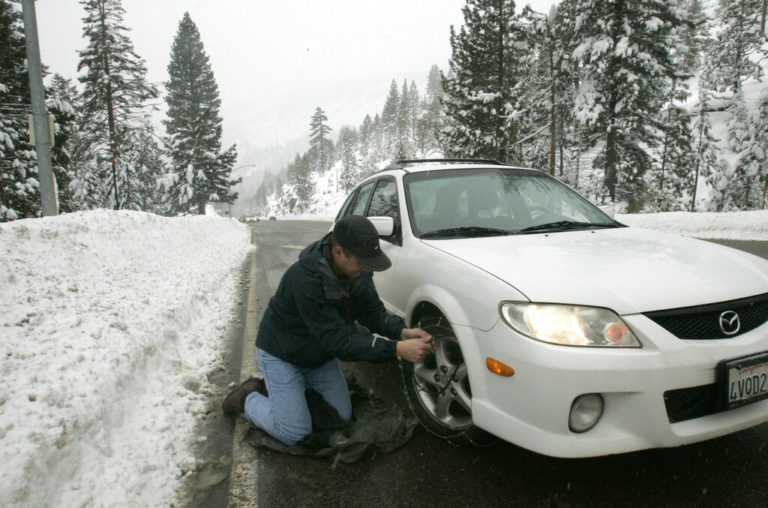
(566, 225)
(465, 232)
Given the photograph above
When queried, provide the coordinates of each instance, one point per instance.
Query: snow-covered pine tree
(706, 162)
(193, 126)
(752, 162)
(144, 156)
(415, 114)
(695, 34)
(279, 187)
(62, 104)
(321, 146)
(668, 185)
(548, 94)
(403, 146)
(674, 178)
(758, 149)
(115, 99)
(300, 176)
(365, 138)
(739, 47)
(626, 67)
(488, 57)
(346, 148)
(728, 183)
(389, 120)
(378, 151)
(19, 187)
(739, 188)
(433, 118)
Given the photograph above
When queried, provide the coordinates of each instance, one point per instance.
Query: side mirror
(385, 226)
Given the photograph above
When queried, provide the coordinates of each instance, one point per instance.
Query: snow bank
(725, 226)
(109, 322)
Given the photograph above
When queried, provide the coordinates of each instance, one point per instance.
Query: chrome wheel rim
(442, 384)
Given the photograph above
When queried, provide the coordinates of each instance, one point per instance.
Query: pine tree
(758, 151)
(347, 154)
(738, 49)
(145, 158)
(433, 119)
(627, 67)
(379, 151)
(488, 59)
(706, 163)
(300, 176)
(403, 146)
(752, 163)
(62, 104)
(389, 120)
(321, 145)
(202, 171)
(695, 34)
(676, 152)
(19, 187)
(736, 188)
(365, 138)
(115, 100)
(548, 95)
(675, 178)
(415, 114)
(279, 187)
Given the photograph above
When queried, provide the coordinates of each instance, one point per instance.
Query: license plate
(746, 380)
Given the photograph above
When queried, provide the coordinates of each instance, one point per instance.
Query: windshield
(490, 202)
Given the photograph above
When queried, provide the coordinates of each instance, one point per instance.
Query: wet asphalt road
(729, 471)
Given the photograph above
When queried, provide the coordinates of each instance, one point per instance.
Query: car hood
(628, 270)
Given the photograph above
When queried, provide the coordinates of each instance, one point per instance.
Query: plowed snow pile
(109, 322)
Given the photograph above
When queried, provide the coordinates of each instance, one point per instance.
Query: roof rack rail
(401, 163)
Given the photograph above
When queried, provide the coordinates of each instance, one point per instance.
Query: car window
(384, 201)
(347, 204)
(494, 201)
(384, 204)
(362, 200)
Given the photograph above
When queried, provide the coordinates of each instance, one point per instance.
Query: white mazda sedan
(557, 328)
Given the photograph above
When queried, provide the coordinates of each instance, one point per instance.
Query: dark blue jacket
(310, 318)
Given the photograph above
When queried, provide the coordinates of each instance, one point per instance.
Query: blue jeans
(284, 415)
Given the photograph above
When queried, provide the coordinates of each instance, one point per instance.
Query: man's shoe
(234, 402)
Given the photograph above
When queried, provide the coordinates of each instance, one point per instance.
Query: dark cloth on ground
(377, 425)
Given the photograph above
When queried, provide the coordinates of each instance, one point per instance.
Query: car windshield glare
(489, 202)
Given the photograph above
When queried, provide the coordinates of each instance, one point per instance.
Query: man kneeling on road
(310, 324)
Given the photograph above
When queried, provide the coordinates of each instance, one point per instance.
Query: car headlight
(569, 325)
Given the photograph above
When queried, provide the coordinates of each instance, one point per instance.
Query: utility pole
(50, 203)
(762, 19)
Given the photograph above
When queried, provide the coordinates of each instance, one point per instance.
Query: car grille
(703, 322)
(689, 403)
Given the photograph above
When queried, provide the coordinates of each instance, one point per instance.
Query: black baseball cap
(358, 236)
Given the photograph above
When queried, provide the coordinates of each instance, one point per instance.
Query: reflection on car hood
(628, 270)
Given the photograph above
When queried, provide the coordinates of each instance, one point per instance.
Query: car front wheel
(438, 390)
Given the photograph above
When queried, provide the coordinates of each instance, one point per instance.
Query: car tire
(437, 388)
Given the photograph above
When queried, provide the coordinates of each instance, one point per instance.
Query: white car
(557, 328)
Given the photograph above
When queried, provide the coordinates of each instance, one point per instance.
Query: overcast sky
(275, 61)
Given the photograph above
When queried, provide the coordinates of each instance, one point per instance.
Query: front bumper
(531, 408)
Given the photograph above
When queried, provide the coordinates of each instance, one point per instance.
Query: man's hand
(416, 344)
(413, 333)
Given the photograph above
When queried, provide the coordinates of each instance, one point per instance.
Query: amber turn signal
(497, 367)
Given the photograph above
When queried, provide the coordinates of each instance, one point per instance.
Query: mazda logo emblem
(730, 323)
